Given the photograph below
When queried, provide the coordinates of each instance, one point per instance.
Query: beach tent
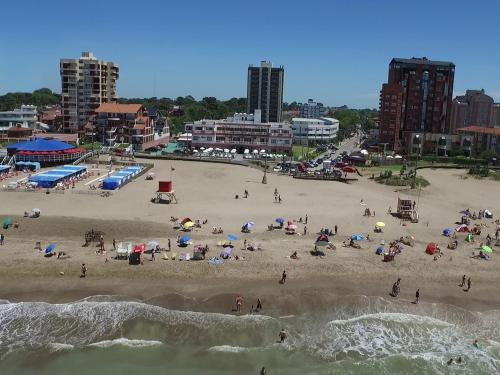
(466, 213)
(380, 224)
(488, 214)
(462, 228)
(184, 239)
(50, 248)
(226, 252)
(231, 237)
(486, 249)
(7, 223)
(448, 232)
(123, 249)
(431, 248)
(469, 238)
(322, 240)
(357, 237)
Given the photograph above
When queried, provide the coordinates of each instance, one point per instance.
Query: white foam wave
(57, 346)
(395, 318)
(227, 349)
(132, 343)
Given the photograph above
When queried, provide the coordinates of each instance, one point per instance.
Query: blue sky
(333, 51)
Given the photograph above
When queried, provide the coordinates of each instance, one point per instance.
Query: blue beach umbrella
(280, 220)
(184, 239)
(231, 237)
(447, 232)
(50, 248)
(357, 237)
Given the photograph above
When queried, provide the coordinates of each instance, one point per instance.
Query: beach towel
(216, 261)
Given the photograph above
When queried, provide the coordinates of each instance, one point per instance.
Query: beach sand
(207, 191)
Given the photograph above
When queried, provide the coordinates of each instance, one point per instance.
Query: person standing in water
(468, 284)
(283, 335)
(259, 305)
(263, 371)
(417, 296)
(283, 277)
(239, 302)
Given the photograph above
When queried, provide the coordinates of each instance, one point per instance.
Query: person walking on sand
(239, 302)
(306, 219)
(283, 277)
(305, 230)
(417, 296)
(169, 245)
(282, 336)
(259, 305)
(279, 198)
(114, 244)
(336, 229)
(245, 244)
(2, 237)
(152, 255)
(463, 281)
(468, 284)
(84, 270)
(246, 193)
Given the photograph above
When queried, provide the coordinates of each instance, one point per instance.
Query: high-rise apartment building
(312, 109)
(265, 91)
(475, 108)
(86, 83)
(424, 105)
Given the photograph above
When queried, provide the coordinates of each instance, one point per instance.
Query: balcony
(111, 140)
(111, 131)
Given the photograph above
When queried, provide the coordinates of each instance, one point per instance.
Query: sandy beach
(207, 191)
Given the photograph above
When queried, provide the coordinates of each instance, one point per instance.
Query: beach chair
(38, 246)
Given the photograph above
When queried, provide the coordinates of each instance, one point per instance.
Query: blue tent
(447, 232)
(357, 237)
(40, 144)
(280, 220)
(232, 237)
(380, 250)
(50, 248)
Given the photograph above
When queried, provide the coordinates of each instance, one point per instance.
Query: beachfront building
(265, 91)
(314, 130)
(25, 117)
(475, 108)
(312, 109)
(416, 99)
(241, 131)
(121, 123)
(85, 84)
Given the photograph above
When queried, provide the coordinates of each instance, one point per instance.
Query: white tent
(262, 151)
(233, 151)
(364, 152)
(255, 151)
(247, 151)
(226, 150)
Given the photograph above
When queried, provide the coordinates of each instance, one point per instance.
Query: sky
(336, 52)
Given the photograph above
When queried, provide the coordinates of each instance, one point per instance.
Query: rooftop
(422, 61)
(480, 130)
(118, 108)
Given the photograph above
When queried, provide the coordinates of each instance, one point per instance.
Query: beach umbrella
(431, 248)
(231, 237)
(380, 224)
(233, 151)
(50, 248)
(262, 151)
(188, 224)
(184, 239)
(255, 151)
(486, 249)
(36, 210)
(185, 220)
(469, 238)
(357, 237)
(249, 224)
(226, 150)
(279, 220)
(226, 251)
(465, 212)
(247, 151)
(7, 222)
(151, 245)
(364, 152)
(462, 228)
(447, 232)
(139, 248)
(292, 227)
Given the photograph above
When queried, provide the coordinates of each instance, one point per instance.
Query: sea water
(358, 335)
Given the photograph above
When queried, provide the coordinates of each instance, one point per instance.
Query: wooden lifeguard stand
(406, 210)
(165, 193)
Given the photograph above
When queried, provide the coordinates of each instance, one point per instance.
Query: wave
(126, 342)
(227, 349)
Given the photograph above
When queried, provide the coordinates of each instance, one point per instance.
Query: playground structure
(406, 210)
(93, 236)
(165, 193)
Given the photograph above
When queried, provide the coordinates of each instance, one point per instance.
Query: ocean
(358, 335)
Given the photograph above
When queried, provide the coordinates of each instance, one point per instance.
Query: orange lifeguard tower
(165, 192)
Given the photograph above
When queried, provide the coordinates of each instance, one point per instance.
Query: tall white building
(24, 117)
(311, 109)
(314, 130)
(86, 83)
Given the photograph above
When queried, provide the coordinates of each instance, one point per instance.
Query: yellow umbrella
(188, 224)
(380, 224)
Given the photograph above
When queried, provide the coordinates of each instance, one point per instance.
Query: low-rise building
(51, 116)
(121, 123)
(312, 130)
(241, 131)
(24, 117)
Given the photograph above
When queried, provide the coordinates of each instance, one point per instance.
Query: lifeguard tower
(165, 193)
(406, 210)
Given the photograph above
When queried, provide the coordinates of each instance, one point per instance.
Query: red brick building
(425, 105)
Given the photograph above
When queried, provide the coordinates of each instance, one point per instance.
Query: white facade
(241, 131)
(311, 109)
(26, 117)
(323, 129)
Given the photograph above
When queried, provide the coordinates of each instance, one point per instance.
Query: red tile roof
(480, 129)
(118, 108)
